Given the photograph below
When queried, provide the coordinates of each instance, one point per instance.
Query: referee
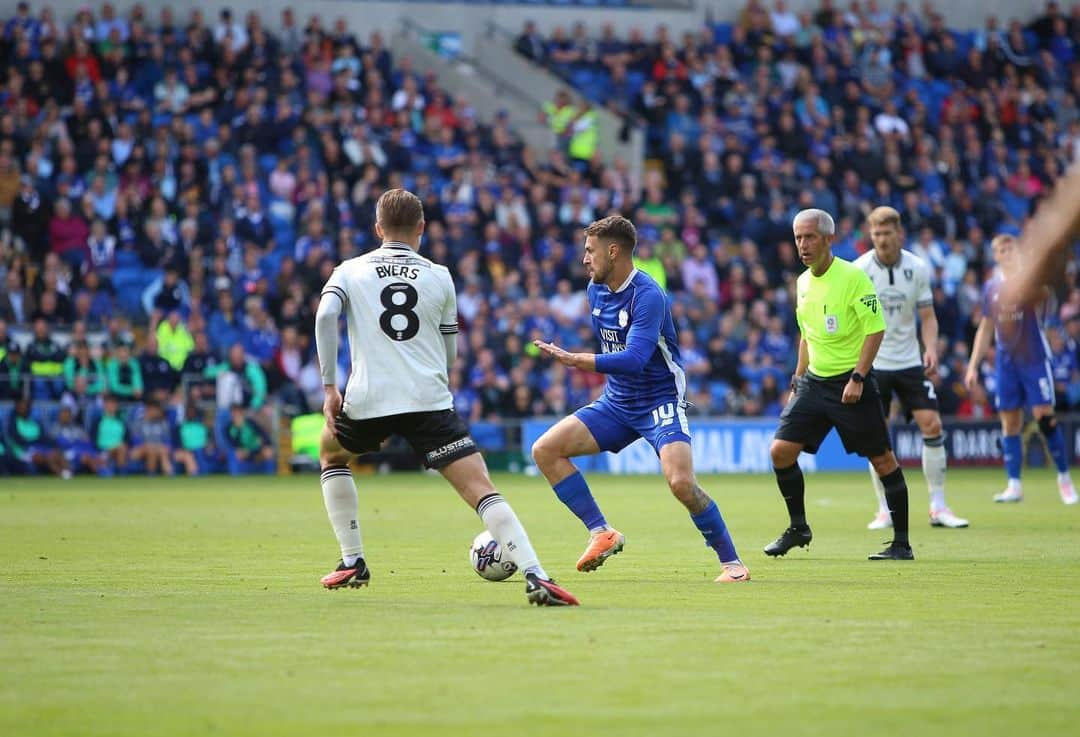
(841, 328)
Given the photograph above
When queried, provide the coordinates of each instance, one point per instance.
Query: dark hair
(614, 228)
(399, 210)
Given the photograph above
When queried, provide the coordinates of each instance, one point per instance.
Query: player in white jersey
(402, 318)
(902, 280)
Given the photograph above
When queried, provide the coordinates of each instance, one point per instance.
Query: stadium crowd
(174, 191)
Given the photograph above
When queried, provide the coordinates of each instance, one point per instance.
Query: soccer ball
(486, 558)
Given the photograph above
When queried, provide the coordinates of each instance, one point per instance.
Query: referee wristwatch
(857, 377)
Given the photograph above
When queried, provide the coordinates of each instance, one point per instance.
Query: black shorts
(440, 437)
(910, 386)
(816, 408)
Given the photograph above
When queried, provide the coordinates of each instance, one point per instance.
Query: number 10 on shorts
(664, 415)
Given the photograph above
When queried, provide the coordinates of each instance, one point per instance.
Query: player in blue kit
(644, 398)
(1023, 374)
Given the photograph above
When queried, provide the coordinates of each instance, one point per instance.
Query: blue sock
(1055, 441)
(1012, 449)
(715, 532)
(574, 493)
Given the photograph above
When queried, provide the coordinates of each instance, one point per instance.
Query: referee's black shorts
(817, 407)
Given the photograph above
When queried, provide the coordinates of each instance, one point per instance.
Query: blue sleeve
(649, 308)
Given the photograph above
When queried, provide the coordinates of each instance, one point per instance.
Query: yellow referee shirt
(835, 312)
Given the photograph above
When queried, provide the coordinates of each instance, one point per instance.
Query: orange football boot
(601, 546)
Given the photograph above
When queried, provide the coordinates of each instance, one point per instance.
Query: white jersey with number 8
(398, 307)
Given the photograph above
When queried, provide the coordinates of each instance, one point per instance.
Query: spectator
(248, 444)
(12, 371)
(123, 374)
(74, 442)
(68, 234)
(158, 376)
(30, 446)
(30, 218)
(174, 340)
(153, 441)
(168, 294)
(240, 381)
(198, 367)
(45, 361)
(111, 436)
(530, 43)
(193, 448)
(84, 375)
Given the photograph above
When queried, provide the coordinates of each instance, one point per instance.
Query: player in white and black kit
(402, 321)
(902, 280)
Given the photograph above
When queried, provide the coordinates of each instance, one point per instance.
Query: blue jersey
(1021, 365)
(1018, 332)
(639, 349)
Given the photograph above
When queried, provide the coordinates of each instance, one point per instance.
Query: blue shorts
(1024, 386)
(615, 427)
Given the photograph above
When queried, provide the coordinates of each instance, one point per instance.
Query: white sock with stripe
(934, 462)
(339, 496)
(504, 526)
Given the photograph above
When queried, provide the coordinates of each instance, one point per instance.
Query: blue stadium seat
(718, 392)
(267, 162)
(964, 41)
(127, 258)
(581, 78)
(722, 32)
(1016, 206)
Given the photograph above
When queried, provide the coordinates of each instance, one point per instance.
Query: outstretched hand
(562, 356)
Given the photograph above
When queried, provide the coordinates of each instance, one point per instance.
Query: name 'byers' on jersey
(399, 305)
(902, 289)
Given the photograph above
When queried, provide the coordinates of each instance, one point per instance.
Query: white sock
(933, 466)
(339, 495)
(879, 489)
(504, 526)
(1014, 485)
(1064, 479)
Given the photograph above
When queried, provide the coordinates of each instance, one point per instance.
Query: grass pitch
(175, 607)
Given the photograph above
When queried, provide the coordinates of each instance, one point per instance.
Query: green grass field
(175, 607)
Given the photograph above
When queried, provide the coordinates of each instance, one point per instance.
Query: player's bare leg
(469, 477)
(789, 478)
(896, 495)
(342, 507)
(552, 453)
(1012, 421)
(677, 463)
(933, 464)
(1055, 443)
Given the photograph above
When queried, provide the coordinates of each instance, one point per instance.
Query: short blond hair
(399, 211)
(1003, 239)
(884, 216)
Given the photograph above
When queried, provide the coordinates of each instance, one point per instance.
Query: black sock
(793, 489)
(896, 497)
